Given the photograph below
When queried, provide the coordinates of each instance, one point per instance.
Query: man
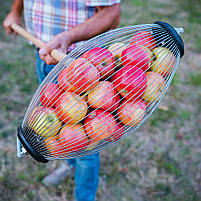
(62, 24)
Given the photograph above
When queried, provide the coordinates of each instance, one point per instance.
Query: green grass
(164, 188)
(176, 80)
(160, 116)
(171, 168)
(184, 115)
(6, 133)
(5, 88)
(140, 3)
(167, 163)
(195, 79)
(193, 8)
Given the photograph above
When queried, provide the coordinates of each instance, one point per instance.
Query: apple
(130, 82)
(63, 81)
(55, 147)
(144, 38)
(49, 94)
(165, 61)
(155, 86)
(139, 56)
(99, 125)
(116, 50)
(71, 108)
(104, 96)
(68, 61)
(44, 121)
(85, 96)
(80, 76)
(73, 137)
(102, 59)
(131, 113)
(117, 135)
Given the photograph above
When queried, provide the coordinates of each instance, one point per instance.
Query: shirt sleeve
(102, 2)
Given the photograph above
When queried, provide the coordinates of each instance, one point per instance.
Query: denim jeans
(87, 167)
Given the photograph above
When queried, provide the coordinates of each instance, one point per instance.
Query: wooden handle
(56, 54)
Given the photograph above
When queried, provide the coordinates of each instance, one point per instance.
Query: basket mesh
(101, 92)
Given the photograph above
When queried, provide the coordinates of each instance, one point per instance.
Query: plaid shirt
(47, 18)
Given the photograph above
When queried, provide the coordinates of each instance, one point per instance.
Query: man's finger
(7, 27)
(45, 56)
(43, 52)
(50, 61)
(64, 48)
(48, 47)
(15, 33)
(8, 30)
(42, 57)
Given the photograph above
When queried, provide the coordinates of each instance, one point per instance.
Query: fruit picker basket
(101, 92)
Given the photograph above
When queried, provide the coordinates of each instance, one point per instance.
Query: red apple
(119, 132)
(130, 82)
(99, 125)
(55, 147)
(138, 56)
(102, 59)
(73, 137)
(131, 113)
(80, 76)
(144, 38)
(104, 96)
(49, 94)
(71, 108)
(63, 81)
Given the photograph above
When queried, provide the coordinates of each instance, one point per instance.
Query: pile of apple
(98, 95)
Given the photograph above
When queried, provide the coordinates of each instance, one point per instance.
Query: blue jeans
(87, 167)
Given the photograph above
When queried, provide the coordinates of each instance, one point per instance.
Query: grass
(159, 162)
(138, 3)
(161, 116)
(168, 164)
(195, 79)
(193, 11)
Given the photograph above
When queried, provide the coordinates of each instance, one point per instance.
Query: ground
(161, 161)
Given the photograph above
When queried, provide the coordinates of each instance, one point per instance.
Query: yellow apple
(164, 61)
(116, 50)
(155, 85)
(44, 121)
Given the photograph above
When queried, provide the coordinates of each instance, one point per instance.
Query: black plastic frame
(37, 156)
(173, 33)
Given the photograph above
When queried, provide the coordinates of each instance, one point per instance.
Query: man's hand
(61, 42)
(12, 17)
(106, 18)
